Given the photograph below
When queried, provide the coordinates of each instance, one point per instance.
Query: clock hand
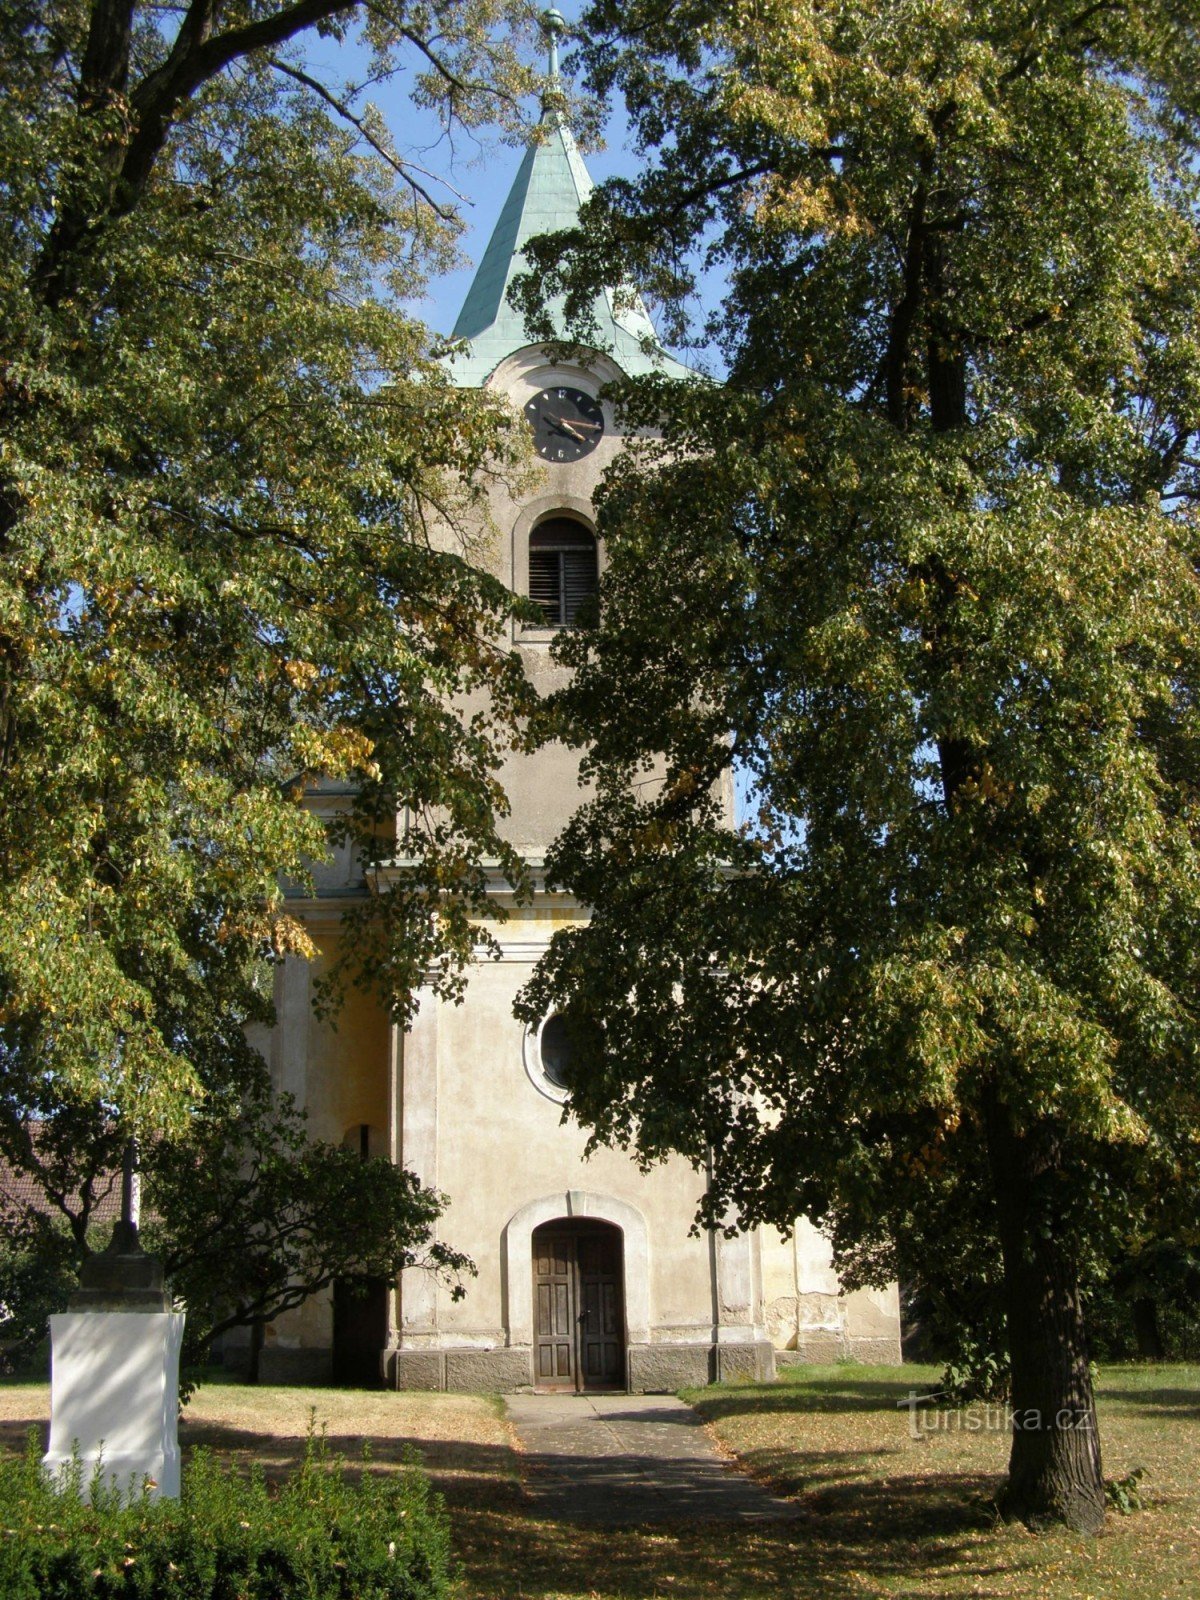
(575, 425)
(567, 427)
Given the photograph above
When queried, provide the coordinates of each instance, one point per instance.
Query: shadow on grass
(14, 1432)
(831, 1395)
(841, 1538)
(917, 1535)
(1153, 1402)
(447, 1461)
(851, 1540)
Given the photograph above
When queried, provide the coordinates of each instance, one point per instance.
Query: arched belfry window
(562, 569)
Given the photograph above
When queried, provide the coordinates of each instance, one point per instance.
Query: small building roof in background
(21, 1193)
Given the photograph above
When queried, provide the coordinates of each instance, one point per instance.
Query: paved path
(622, 1459)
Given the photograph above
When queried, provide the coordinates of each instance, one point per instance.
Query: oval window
(556, 1050)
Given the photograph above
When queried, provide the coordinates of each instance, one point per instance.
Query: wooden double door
(578, 1306)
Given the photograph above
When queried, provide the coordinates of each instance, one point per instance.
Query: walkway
(622, 1459)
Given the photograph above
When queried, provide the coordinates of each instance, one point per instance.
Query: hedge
(321, 1535)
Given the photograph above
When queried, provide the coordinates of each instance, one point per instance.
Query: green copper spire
(555, 25)
(551, 185)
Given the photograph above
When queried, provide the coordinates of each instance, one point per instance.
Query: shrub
(1126, 1494)
(38, 1270)
(320, 1536)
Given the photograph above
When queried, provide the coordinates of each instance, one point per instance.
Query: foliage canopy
(930, 563)
(224, 442)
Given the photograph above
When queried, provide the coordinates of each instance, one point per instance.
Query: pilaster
(741, 1348)
(293, 1009)
(416, 1091)
(395, 1137)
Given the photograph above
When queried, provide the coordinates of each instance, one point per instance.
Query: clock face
(566, 423)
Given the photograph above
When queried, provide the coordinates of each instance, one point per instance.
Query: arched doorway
(578, 1305)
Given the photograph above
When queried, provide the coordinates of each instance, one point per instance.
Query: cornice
(496, 885)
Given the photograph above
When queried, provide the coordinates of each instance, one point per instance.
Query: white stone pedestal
(114, 1397)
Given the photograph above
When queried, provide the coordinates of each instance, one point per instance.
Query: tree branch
(105, 69)
(401, 168)
(158, 96)
(435, 61)
(195, 57)
(904, 313)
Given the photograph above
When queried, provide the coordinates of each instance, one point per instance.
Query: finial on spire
(555, 25)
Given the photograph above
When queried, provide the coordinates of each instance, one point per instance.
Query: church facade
(588, 1273)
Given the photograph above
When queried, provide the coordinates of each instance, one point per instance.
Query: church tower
(588, 1277)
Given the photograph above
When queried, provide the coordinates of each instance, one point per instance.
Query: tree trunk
(1146, 1330)
(1054, 1471)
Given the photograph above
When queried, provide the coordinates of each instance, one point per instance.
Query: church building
(588, 1275)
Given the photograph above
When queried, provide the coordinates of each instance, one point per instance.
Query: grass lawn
(878, 1513)
(885, 1514)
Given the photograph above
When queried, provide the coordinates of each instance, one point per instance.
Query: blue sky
(480, 167)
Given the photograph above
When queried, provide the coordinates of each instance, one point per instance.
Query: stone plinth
(460, 1370)
(114, 1400)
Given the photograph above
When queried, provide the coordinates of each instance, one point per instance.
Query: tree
(930, 563)
(225, 446)
(38, 1270)
(252, 1218)
(249, 1216)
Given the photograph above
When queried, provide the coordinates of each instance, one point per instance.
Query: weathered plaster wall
(504, 1145)
(807, 1312)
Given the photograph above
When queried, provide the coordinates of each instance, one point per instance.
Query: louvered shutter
(578, 580)
(545, 584)
(562, 569)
